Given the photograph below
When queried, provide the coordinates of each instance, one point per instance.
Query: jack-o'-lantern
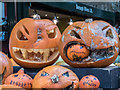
(10, 87)
(99, 39)
(55, 77)
(34, 43)
(19, 79)
(89, 81)
(6, 67)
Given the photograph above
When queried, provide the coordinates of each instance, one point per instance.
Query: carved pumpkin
(11, 87)
(55, 77)
(89, 81)
(34, 43)
(6, 67)
(99, 39)
(19, 79)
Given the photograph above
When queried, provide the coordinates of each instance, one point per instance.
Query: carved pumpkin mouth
(95, 55)
(36, 55)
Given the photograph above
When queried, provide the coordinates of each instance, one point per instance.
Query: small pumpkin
(100, 41)
(55, 77)
(89, 81)
(77, 52)
(6, 67)
(7, 86)
(34, 43)
(19, 79)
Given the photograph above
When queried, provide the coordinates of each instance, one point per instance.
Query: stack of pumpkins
(37, 43)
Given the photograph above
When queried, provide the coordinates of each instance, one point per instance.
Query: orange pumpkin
(19, 79)
(34, 43)
(6, 67)
(99, 39)
(55, 77)
(89, 81)
(77, 52)
(10, 87)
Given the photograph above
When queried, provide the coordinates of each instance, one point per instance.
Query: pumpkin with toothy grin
(34, 43)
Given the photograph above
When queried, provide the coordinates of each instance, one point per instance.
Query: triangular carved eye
(44, 74)
(52, 33)
(66, 74)
(109, 33)
(75, 34)
(21, 36)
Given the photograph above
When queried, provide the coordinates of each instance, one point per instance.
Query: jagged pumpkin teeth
(24, 53)
(29, 50)
(36, 50)
(46, 54)
(41, 51)
(52, 49)
(15, 49)
(35, 54)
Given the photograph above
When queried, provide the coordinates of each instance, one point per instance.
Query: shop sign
(84, 9)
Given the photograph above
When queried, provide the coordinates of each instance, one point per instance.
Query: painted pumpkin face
(99, 39)
(34, 43)
(6, 69)
(19, 79)
(77, 52)
(55, 77)
(89, 81)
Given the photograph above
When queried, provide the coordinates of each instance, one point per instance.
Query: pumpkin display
(89, 81)
(6, 67)
(55, 77)
(34, 43)
(19, 79)
(100, 41)
(11, 87)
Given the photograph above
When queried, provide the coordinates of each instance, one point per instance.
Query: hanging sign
(84, 8)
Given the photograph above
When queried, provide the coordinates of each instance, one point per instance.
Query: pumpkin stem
(21, 70)
(89, 20)
(55, 79)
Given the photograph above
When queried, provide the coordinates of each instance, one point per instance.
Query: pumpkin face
(19, 79)
(55, 77)
(100, 41)
(34, 43)
(6, 69)
(89, 81)
(77, 52)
